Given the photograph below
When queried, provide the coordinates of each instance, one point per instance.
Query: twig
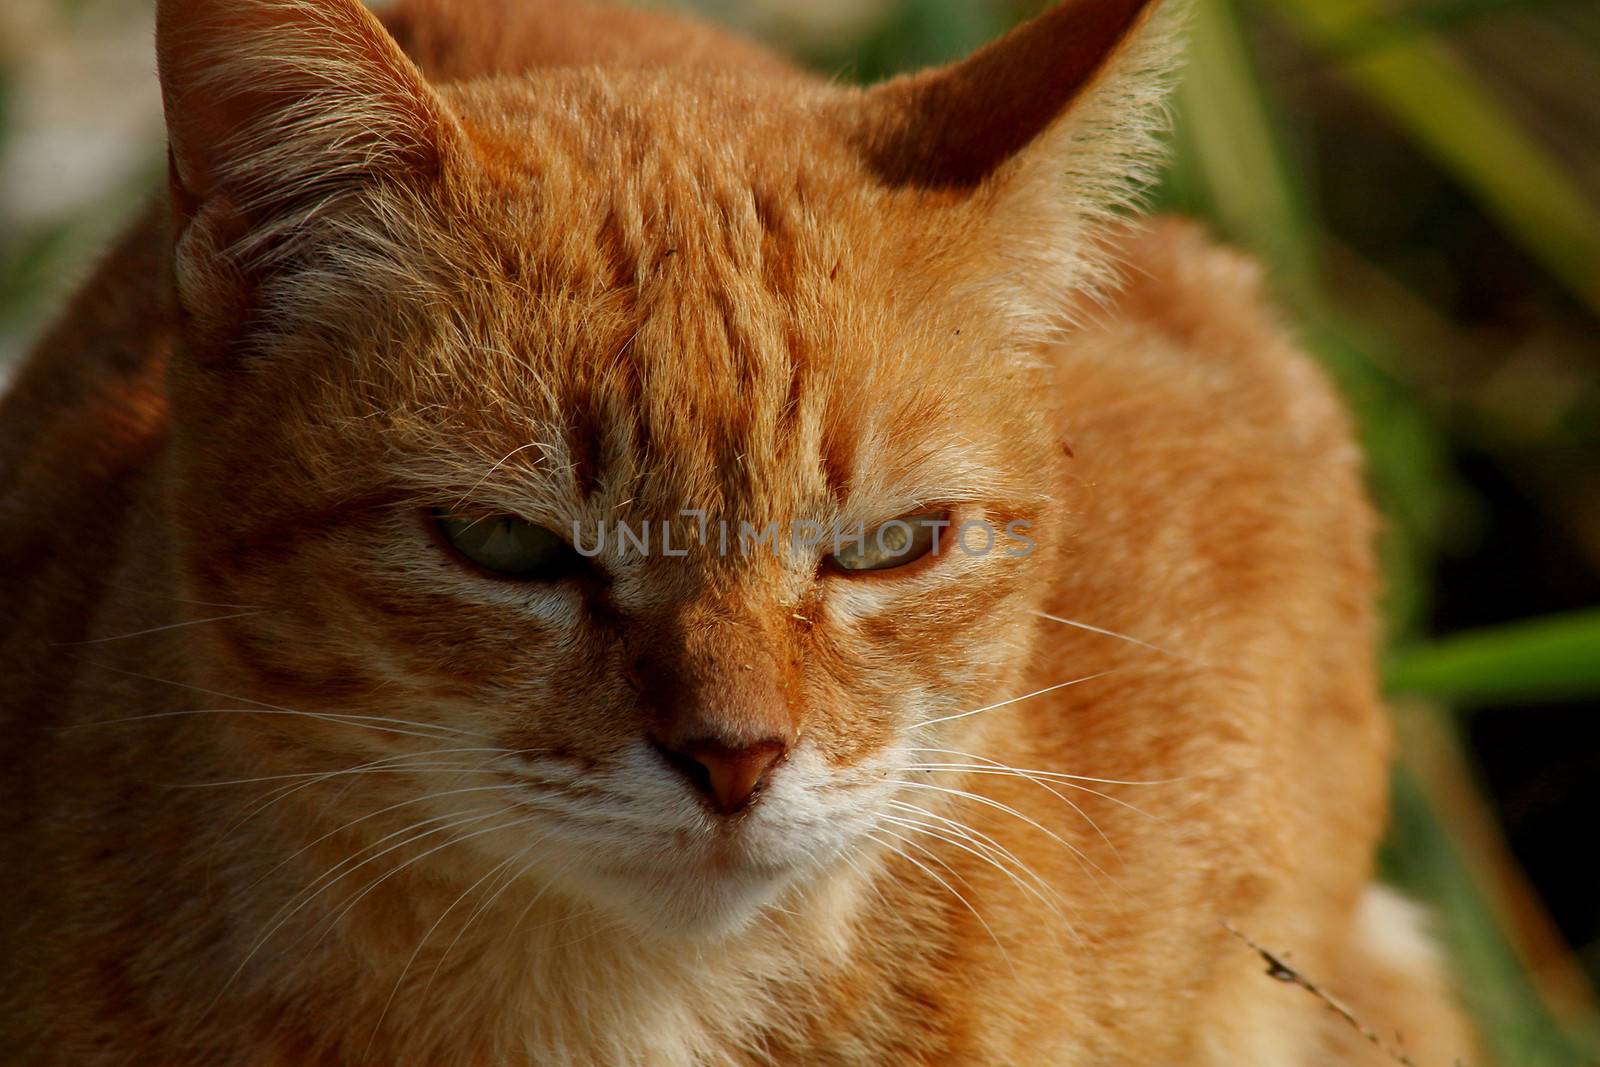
(1280, 971)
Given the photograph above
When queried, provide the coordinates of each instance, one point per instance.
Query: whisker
(155, 594)
(375, 814)
(327, 776)
(1008, 772)
(282, 793)
(970, 833)
(989, 765)
(1049, 787)
(935, 832)
(262, 704)
(977, 837)
(377, 1027)
(488, 902)
(949, 889)
(611, 925)
(1009, 810)
(926, 851)
(333, 923)
(1014, 700)
(562, 921)
(285, 792)
(154, 630)
(364, 721)
(313, 890)
(1119, 636)
(382, 765)
(1054, 774)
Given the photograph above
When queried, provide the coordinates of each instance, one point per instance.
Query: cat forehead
(656, 282)
(589, 225)
(657, 125)
(705, 378)
(703, 392)
(669, 195)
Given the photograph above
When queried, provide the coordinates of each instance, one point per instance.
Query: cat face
(549, 461)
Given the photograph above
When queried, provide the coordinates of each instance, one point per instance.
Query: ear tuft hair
(276, 110)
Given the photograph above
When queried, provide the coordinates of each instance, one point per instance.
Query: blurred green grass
(1421, 180)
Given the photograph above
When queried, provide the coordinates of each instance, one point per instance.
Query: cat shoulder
(1198, 316)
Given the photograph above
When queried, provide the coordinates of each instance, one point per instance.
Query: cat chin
(686, 903)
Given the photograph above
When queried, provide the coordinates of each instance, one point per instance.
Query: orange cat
(596, 547)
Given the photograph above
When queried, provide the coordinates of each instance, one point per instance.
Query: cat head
(579, 441)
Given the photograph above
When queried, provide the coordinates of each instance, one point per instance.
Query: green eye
(510, 547)
(893, 544)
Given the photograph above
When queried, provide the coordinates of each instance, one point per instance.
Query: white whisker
(375, 814)
(949, 889)
(1047, 786)
(334, 922)
(305, 896)
(1112, 633)
(1010, 772)
(1058, 775)
(365, 721)
(384, 765)
(330, 716)
(1038, 890)
(488, 902)
(1014, 813)
(154, 630)
(387, 765)
(377, 1026)
(1013, 700)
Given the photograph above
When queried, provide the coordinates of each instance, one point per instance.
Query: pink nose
(729, 778)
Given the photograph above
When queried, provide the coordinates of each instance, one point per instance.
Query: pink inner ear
(952, 127)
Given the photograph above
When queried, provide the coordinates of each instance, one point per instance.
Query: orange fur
(286, 785)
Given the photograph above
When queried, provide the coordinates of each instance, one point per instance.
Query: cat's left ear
(279, 114)
(1036, 138)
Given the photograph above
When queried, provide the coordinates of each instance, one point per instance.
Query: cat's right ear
(277, 110)
(1031, 142)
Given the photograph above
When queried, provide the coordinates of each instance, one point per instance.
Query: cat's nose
(728, 777)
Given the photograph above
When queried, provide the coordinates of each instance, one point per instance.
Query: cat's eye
(892, 544)
(510, 547)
